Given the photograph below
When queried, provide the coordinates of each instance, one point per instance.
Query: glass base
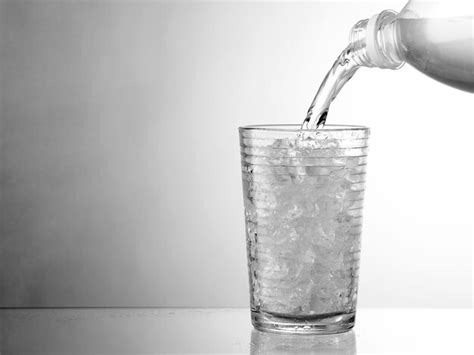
(320, 324)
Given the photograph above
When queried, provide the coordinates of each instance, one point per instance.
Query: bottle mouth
(375, 45)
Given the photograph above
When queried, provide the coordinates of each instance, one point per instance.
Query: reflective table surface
(226, 331)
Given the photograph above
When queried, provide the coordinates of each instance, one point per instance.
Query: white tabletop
(223, 331)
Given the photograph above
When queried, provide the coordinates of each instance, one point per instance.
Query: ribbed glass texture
(303, 195)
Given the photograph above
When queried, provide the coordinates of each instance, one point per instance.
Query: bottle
(437, 38)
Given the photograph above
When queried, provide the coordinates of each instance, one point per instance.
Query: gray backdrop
(120, 178)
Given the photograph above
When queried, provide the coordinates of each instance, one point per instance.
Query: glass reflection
(276, 343)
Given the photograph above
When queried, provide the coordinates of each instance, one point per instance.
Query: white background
(120, 158)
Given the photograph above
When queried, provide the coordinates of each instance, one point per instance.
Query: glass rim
(297, 128)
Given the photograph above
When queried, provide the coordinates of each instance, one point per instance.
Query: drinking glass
(303, 194)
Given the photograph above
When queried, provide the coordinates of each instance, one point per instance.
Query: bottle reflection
(275, 343)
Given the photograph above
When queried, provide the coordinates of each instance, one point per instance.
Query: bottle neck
(375, 42)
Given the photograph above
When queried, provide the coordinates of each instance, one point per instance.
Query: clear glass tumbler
(303, 195)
